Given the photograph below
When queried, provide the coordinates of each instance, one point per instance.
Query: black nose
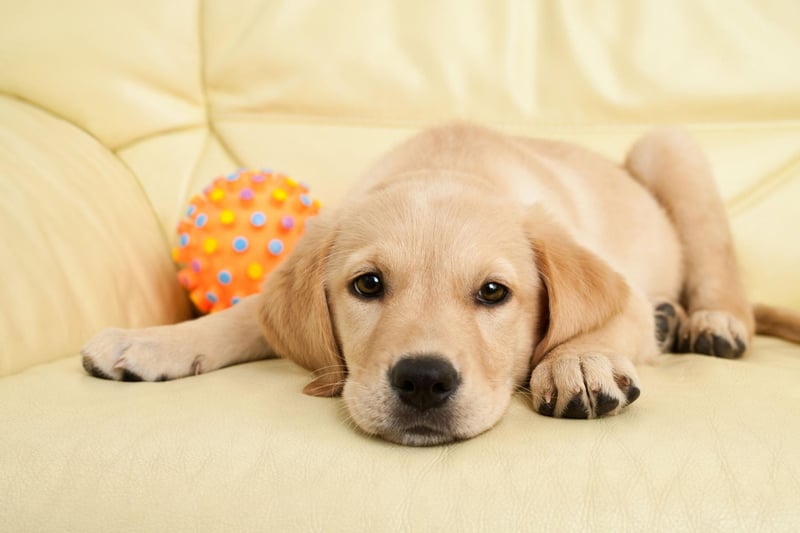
(423, 381)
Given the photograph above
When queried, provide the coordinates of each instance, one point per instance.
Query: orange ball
(236, 233)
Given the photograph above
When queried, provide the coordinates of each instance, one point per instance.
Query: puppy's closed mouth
(422, 430)
(427, 429)
(420, 435)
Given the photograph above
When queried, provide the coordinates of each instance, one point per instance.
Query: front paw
(583, 386)
(137, 355)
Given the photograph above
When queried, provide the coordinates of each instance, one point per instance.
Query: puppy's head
(424, 307)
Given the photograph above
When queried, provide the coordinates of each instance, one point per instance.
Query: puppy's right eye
(368, 285)
(492, 293)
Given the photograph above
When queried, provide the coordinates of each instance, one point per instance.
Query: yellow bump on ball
(210, 245)
(227, 217)
(279, 194)
(290, 183)
(216, 195)
(176, 254)
(255, 271)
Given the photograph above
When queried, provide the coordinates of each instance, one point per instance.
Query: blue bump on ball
(240, 244)
(275, 247)
(225, 277)
(258, 219)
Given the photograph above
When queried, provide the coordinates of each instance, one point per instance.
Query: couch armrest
(80, 244)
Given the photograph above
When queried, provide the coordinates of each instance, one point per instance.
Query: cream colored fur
(586, 248)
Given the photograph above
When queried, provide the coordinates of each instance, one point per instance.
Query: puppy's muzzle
(423, 382)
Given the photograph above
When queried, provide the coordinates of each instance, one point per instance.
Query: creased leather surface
(112, 114)
(711, 445)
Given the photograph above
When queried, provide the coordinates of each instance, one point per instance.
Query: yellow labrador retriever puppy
(467, 263)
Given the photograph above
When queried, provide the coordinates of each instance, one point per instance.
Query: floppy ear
(295, 315)
(583, 292)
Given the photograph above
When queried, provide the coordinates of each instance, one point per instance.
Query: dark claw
(604, 404)
(633, 394)
(576, 408)
(92, 370)
(703, 344)
(548, 409)
(723, 348)
(127, 375)
(741, 347)
(163, 377)
(684, 345)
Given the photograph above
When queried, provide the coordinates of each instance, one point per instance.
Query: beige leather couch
(113, 113)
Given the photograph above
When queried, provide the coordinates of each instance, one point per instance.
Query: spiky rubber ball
(236, 232)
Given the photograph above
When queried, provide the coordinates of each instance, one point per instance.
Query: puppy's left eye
(492, 293)
(368, 286)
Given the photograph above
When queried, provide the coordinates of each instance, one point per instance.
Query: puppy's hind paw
(716, 333)
(669, 317)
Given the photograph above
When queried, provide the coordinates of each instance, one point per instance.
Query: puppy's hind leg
(675, 170)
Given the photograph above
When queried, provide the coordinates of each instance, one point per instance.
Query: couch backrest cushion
(142, 102)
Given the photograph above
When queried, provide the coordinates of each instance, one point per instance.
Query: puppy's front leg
(189, 348)
(592, 374)
(583, 381)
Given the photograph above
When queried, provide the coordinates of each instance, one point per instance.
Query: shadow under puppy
(466, 264)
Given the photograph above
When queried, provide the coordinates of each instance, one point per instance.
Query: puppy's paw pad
(669, 317)
(716, 333)
(583, 386)
(605, 404)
